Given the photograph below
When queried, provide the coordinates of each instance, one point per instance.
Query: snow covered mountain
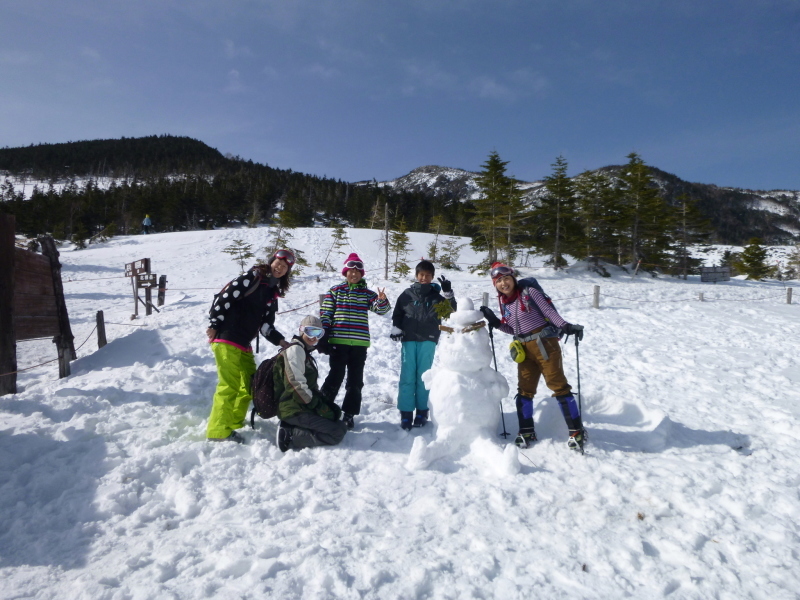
(688, 489)
(737, 213)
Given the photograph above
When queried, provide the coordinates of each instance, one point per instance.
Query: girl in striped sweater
(534, 322)
(345, 318)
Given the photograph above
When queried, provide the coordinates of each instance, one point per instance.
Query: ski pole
(505, 433)
(578, 361)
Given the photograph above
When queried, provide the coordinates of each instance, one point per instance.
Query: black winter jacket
(415, 314)
(238, 316)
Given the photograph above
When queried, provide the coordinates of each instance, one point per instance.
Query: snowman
(465, 394)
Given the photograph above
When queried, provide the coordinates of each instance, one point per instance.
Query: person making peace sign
(345, 317)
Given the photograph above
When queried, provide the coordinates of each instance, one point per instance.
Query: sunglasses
(313, 332)
(354, 264)
(502, 271)
(285, 255)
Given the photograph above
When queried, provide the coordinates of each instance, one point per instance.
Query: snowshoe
(524, 440)
(406, 418)
(576, 440)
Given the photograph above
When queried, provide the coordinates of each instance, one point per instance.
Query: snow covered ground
(688, 489)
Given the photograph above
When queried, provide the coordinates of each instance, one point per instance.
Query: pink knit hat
(353, 258)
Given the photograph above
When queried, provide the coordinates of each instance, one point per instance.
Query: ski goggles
(313, 332)
(285, 255)
(354, 264)
(501, 271)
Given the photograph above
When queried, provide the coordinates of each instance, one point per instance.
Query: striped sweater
(520, 317)
(345, 316)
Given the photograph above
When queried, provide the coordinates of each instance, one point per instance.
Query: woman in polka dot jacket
(244, 308)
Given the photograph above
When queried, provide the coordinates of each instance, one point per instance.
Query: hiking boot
(577, 437)
(233, 437)
(283, 437)
(524, 440)
(421, 418)
(348, 420)
(406, 417)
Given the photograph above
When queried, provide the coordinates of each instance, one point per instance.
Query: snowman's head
(465, 349)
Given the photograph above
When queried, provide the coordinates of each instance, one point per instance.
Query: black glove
(323, 347)
(489, 315)
(396, 337)
(572, 329)
(445, 283)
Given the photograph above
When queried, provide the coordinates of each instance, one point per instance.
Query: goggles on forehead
(502, 271)
(313, 332)
(285, 255)
(354, 264)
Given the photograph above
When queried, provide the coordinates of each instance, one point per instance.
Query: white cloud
(233, 51)
(235, 85)
(91, 54)
(322, 71)
(488, 87)
(15, 57)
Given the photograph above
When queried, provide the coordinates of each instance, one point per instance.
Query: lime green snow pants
(235, 370)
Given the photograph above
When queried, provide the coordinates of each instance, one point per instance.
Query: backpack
(530, 282)
(265, 404)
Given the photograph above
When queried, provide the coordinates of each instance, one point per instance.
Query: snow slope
(688, 489)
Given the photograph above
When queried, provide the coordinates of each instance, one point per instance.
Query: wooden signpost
(31, 303)
(142, 278)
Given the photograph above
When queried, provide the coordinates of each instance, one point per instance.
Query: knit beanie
(353, 256)
(310, 321)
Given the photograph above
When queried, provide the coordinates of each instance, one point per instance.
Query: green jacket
(295, 380)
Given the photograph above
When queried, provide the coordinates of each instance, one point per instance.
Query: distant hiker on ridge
(146, 224)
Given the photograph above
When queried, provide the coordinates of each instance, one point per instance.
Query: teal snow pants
(415, 359)
(235, 370)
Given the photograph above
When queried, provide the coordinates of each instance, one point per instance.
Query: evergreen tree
(600, 209)
(646, 218)
(339, 239)
(691, 228)
(793, 264)
(449, 253)
(490, 213)
(754, 260)
(556, 217)
(241, 252)
(436, 227)
(399, 245)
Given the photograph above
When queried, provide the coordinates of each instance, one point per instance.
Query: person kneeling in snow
(535, 323)
(308, 418)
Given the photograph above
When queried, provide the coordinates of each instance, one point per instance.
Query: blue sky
(707, 90)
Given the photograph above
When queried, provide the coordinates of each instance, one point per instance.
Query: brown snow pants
(534, 366)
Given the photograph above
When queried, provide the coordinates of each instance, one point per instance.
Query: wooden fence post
(148, 301)
(162, 289)
(596, 299)
(101, 330)
(8, 344)
(788, 295)
(65, 340)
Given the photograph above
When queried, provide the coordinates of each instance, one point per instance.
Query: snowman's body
(465, 395)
